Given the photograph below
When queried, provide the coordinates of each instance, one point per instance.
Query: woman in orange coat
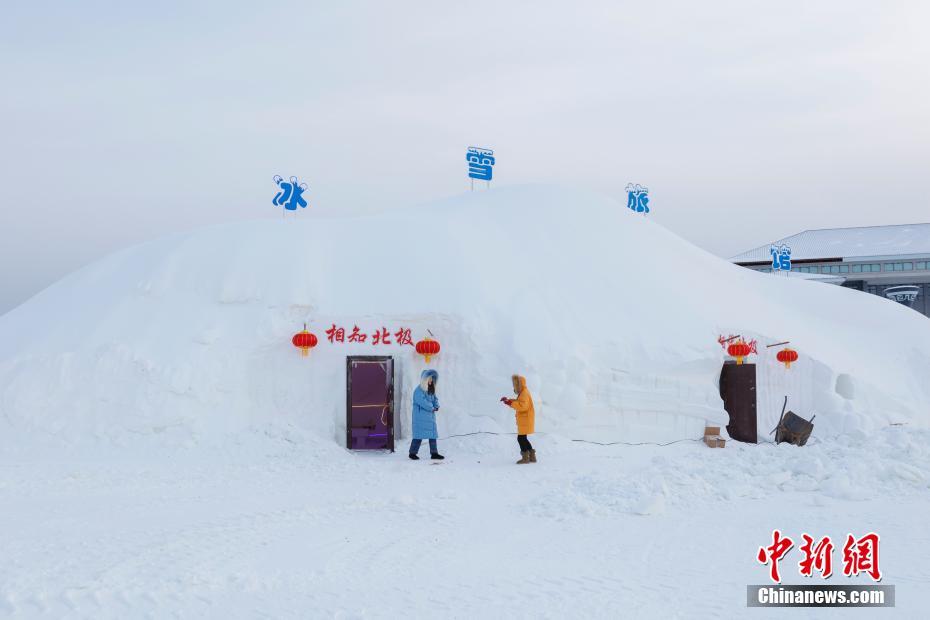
(526, 418)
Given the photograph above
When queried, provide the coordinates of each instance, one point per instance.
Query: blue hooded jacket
(424, 406)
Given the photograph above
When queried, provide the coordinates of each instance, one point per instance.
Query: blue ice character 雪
(290, 194)
(480, 162)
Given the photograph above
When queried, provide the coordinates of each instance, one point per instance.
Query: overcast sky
(748, 121)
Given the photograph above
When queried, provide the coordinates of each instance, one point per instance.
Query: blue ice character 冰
(290, 194)
(480, 163)
(285, 190)
(637, 198)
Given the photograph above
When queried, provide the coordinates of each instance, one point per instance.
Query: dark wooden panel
(738, 391)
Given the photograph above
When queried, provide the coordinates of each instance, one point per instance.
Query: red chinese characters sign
(774, 553)
(860, 555)
(379, 337)
(819, 557)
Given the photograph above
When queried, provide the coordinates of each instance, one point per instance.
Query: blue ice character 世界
(290, 195)
(480, 163)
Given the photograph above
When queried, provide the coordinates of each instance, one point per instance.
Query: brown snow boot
(532, 456)
(524, 458)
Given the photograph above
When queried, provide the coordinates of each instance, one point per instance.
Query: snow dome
(613, 320)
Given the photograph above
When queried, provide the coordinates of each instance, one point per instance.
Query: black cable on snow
(598, 443)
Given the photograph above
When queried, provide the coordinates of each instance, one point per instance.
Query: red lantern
(786, 356)
(428, 348)
(304, 341)
(739, 350)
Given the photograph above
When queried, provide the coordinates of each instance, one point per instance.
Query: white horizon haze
(747, 121)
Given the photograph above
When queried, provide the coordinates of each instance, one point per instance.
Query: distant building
(890, 261)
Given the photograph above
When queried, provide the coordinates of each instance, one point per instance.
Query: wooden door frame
(369, 358)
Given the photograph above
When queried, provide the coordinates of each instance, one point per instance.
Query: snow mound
(612, 318)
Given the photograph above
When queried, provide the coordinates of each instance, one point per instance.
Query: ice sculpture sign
(637, 198)
(290, 193)
(781, 258)
(480, 163)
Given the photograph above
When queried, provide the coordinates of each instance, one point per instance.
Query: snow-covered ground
(282, 526)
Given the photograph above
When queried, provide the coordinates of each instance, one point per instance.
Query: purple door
(370, 403)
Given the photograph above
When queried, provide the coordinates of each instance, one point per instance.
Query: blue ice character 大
(480, 163)
(637, 198)
(290, 194)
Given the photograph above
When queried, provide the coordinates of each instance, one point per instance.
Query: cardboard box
(711, 430)
(714, 441)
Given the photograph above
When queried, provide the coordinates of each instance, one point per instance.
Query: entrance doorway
(370, 403)
(738, 391)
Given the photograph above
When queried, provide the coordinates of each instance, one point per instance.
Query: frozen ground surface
(287, 526)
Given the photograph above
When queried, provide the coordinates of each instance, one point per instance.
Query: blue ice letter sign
(290, 193)
(637, 198)
(781, 258)
(480, 163)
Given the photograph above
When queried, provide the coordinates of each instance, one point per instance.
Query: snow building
(191, 335)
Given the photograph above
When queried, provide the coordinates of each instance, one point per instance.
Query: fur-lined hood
(425, 377)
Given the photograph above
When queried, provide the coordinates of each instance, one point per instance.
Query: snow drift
(612, 319)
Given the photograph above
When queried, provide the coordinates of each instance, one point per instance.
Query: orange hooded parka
(523, 406)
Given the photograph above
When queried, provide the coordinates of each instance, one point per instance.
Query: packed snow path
(295, 528)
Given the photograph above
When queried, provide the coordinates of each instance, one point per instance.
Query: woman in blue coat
(425, 406)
